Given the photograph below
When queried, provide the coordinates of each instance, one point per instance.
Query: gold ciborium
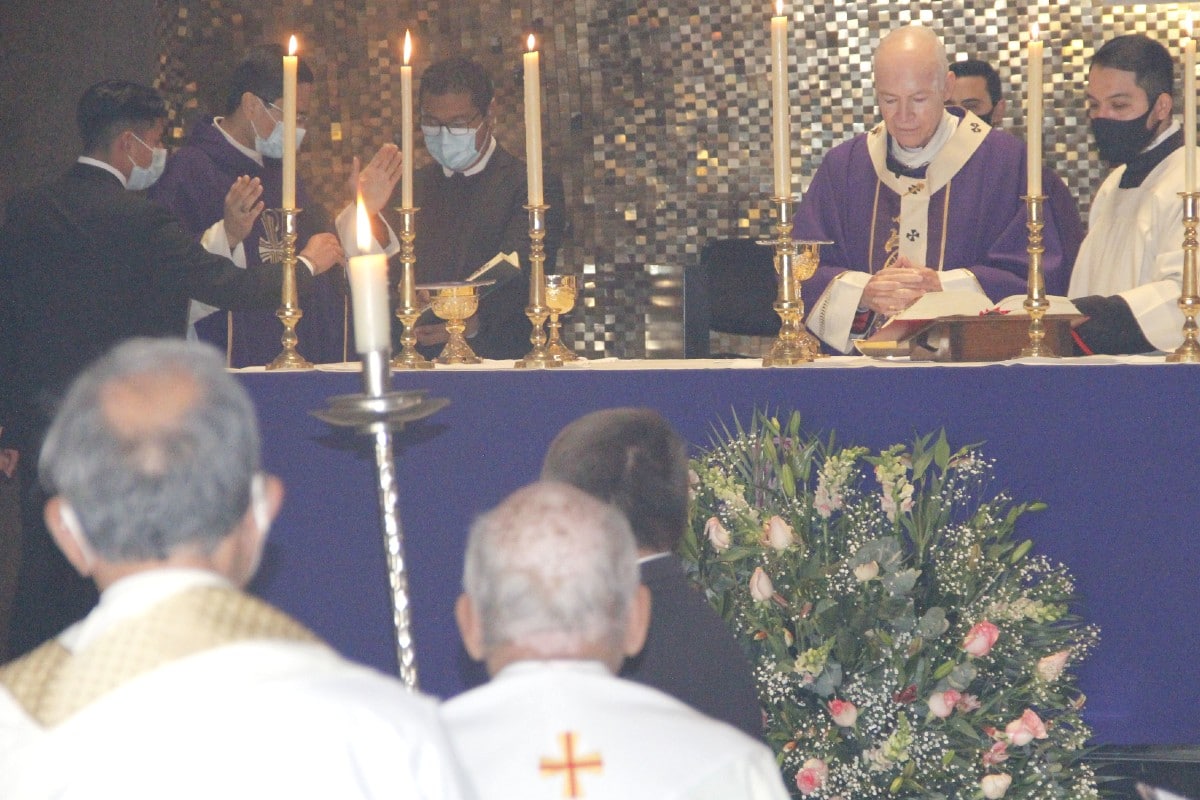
(455, 302)
(560, 299)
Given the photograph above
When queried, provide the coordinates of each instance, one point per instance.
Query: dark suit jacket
(691, 654)
(85, 264)
(463, 221)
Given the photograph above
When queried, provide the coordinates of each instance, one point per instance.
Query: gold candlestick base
(795, 262)
(1036, 302)
(407, 310)
(537, 310)
(282, 250)
(1189, 351)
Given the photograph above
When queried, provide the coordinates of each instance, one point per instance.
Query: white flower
(866, 572)
(761, 588)
(717, 534)
(995, 786)
(1050, 667)
(779, 534)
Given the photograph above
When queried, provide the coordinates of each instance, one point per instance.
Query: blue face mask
(144, 177)
(454, 151)
(272, 146)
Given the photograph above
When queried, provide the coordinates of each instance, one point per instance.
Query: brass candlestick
(378, 413)
(537, 311)
(1189, 351)
(407, 310)
(795, 262)
(1036, 302)
(289, 313)
(561, 291)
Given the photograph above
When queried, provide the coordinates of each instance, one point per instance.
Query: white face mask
(71, 522)
(144, 177)
(272, 146)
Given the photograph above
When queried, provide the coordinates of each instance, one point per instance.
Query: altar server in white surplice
(178, 684)
(552, 605)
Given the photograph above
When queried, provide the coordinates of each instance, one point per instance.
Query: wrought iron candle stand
(1189, 351)
(1036, 302)
(537, 310)
(283, 251)
(377, 413)
(407, 310)
(795, 262)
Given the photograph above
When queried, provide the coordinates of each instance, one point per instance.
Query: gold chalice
(455, 302)
(560, 299)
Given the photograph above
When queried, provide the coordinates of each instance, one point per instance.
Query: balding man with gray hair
(552, 605)
(929, 200)
(178, 684)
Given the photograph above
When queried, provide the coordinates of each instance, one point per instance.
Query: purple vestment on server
(976, 221)
(193, 187)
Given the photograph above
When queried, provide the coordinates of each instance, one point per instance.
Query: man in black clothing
(85, 262)
(633, 459)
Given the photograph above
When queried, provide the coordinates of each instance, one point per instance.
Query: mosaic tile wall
(656, 114)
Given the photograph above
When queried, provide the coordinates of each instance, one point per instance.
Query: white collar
(920, 156)
(248, 152)
(479, 166)
(561, 665)
(95, 162)
(133, 595)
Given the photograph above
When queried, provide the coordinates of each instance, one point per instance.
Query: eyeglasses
(454, 127)
(301, 119)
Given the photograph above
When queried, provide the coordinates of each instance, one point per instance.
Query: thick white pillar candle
(781, 115)
(369, 291)
(1033, 115)
(533, 123)
(406, 124)
(1189, 111)
(289, 125)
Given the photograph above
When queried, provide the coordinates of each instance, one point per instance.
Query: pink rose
(844, 713)
(1024, 730)
(997, 754)
(811, 776)
(717, 535)
(1050, 667)
(980, 639)
(779, 534)
(761, 587)
(967, 703)
(995, 786)
(941, 704)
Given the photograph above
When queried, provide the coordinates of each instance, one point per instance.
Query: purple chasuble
(193, 187)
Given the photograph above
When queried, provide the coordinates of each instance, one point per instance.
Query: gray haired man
(178, 683)
(552, 605)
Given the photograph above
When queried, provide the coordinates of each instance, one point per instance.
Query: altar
(1111, 446)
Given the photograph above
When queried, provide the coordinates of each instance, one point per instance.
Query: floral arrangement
(905, 642)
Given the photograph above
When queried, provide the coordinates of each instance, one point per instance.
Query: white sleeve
(214, 241)
(833, 314)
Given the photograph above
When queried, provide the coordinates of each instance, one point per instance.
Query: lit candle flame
(407, 47)
(362, 226)
(1033, 32)
(531, 43)
(292, 46)
(1187, 25)
(779, 8)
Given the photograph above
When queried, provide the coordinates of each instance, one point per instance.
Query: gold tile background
(655, 114)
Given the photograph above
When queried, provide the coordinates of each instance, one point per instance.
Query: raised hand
(378, 178)
(242, 207)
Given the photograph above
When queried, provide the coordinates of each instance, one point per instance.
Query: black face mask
(1119, 141)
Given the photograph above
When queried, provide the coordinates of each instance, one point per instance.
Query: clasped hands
(899, 285)
(243, 204)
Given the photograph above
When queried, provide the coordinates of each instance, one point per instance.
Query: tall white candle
(369, 291)
(289, 125)
(781, 115)
(1189, 110)
(533, 123)
(406, 124)
(1033, 114)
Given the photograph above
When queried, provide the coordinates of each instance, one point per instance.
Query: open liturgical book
(967, 326)
(499, 270)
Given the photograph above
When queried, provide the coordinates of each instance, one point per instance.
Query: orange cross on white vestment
(570, 764)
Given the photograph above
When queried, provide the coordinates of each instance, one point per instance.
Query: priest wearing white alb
(552, 605)
(178, 684)
(1127, 277)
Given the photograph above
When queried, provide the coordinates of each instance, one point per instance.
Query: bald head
(154, 448)
(550, 573)
(912, 84)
